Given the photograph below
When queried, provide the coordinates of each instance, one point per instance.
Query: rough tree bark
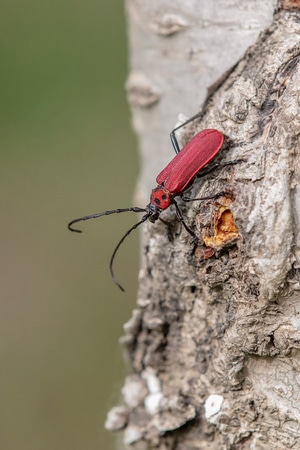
(214, 343)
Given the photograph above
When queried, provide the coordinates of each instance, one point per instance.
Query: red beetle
(178, 175)
(172, 182)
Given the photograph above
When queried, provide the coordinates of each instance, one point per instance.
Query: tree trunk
(214, 342)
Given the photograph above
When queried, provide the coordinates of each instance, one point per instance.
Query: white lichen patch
(213, 405)
(117, 418)
(134, 391)
(132, 434)
(152, 381)
(152, 402)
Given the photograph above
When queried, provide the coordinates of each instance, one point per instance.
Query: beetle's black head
(153, 212)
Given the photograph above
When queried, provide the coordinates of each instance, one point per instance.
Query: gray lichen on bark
(214, 343)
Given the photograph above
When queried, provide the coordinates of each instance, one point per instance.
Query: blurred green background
(66, 150)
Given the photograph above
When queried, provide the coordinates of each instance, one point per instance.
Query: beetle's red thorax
(161, 197)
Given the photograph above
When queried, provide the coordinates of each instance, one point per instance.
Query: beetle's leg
(209, 197)
(172, 134)
(207, 171)
(212, 167)
(180, 218)
(214, 87)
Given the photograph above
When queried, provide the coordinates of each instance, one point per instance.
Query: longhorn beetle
(172, 182)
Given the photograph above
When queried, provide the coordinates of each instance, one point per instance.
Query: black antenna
(144, 218)
(105, 213)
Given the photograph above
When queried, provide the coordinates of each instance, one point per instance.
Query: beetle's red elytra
(172, 182)
(177, 176)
